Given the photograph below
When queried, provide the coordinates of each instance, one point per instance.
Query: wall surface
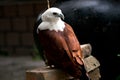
(16, 26)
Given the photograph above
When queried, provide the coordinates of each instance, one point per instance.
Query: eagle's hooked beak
(61, 16)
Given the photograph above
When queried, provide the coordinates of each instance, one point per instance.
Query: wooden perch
(46, 74)
(90, 62)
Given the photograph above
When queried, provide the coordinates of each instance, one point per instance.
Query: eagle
(60, 44)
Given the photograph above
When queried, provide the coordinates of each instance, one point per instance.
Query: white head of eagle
(51, 20)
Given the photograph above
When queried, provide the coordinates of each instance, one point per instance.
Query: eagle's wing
(73, 45)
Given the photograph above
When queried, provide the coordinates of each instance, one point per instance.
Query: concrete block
(19, 24)
(25, 9)
(12, 39)
(10, 10)
(27, 39)
(5, 24)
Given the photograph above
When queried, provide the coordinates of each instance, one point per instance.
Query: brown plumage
(62, 49)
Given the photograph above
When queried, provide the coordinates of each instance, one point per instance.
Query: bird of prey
(60, 44)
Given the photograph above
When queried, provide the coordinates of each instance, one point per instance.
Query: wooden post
(46, 74)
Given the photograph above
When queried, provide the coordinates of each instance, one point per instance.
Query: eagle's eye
(54, 13)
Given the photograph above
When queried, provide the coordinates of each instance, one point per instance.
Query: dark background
(97, 22)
